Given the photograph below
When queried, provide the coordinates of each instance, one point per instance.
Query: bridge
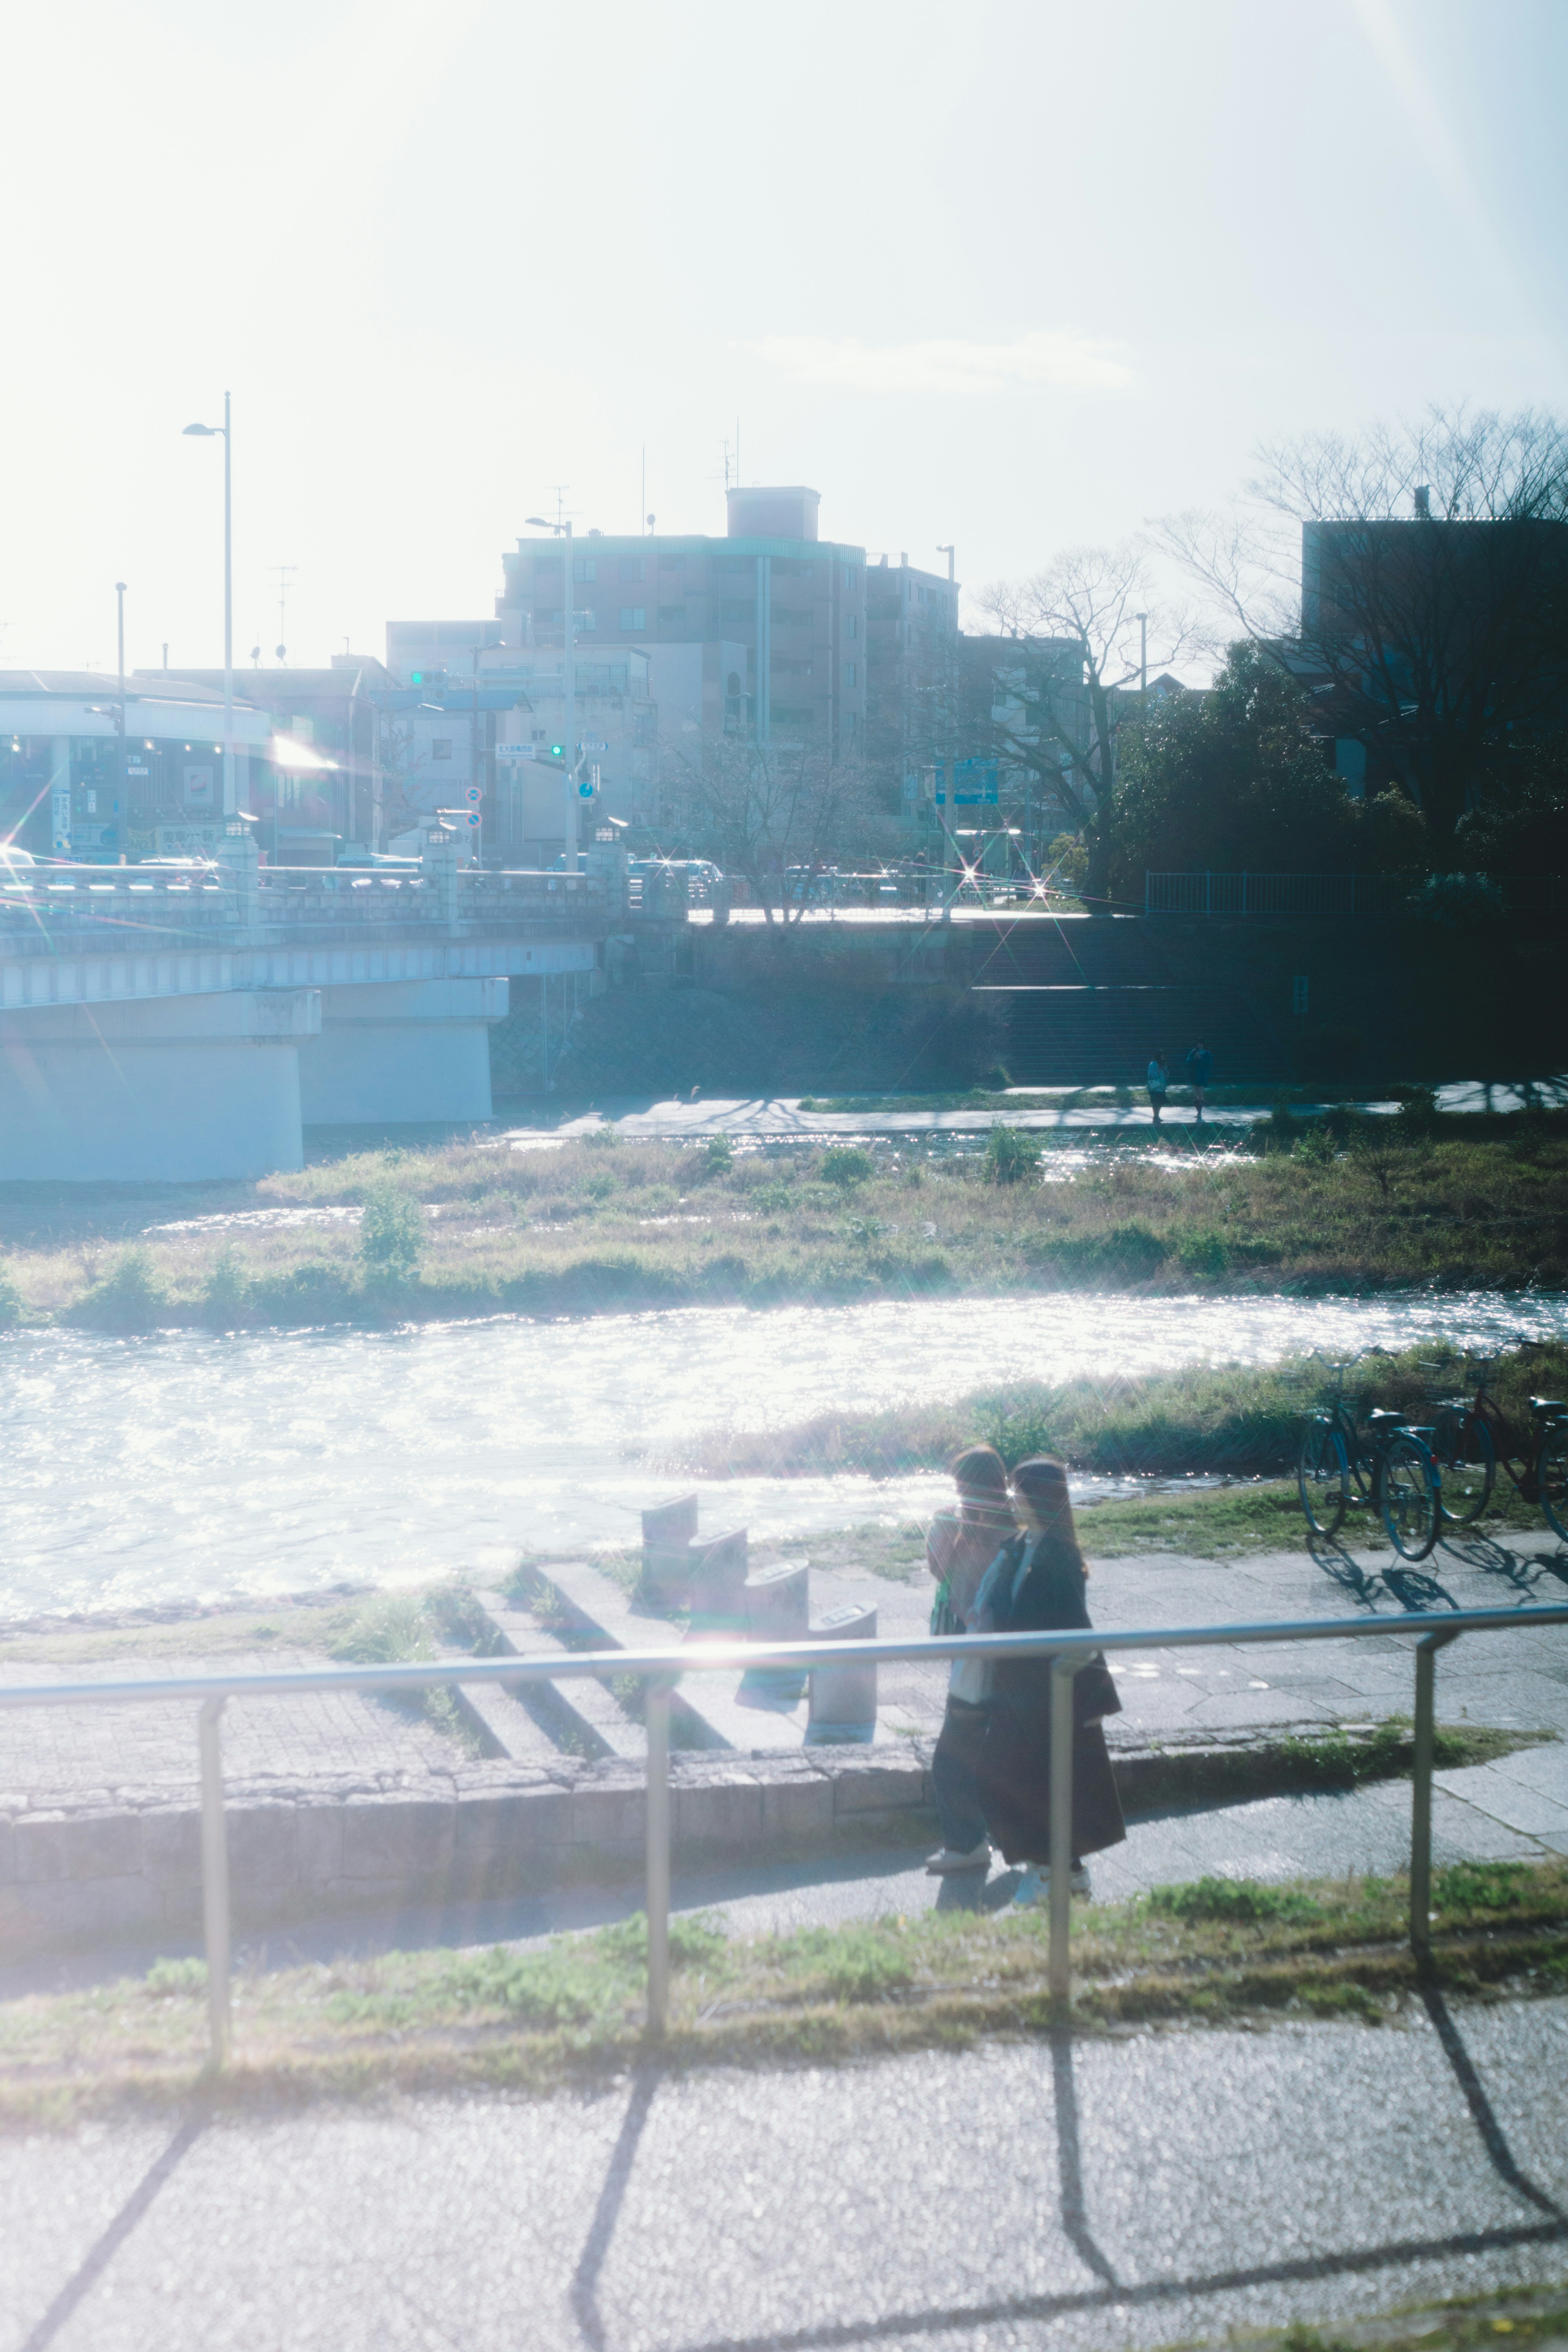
(163, 1023)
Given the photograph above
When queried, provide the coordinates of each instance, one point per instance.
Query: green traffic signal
(558, 750)
(415, 678)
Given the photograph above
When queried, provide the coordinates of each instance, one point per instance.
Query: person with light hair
(960, 1548)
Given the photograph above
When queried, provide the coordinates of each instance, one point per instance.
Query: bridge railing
(658, 1671)
(40, 905)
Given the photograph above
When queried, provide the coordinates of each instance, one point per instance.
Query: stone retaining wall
(83, 1870)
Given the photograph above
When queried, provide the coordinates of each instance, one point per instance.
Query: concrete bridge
(168, 1023)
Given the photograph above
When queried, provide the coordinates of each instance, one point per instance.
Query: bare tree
(778, 816)
(1057, 702)
(1429, 611)
(400, 764)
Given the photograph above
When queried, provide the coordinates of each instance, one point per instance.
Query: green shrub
(847, 1164)
(1203, 1253)
(1012, 1155)
(391, 1234)
(226, 1291)
(1316, 1148)
(1126, 1254)
(718, 1157)
(130, 1297)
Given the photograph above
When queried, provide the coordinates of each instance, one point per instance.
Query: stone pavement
(74, 1751)
(1074, 2193)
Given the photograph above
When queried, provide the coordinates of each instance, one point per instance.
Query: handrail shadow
(98, 2256)
(607, 2212)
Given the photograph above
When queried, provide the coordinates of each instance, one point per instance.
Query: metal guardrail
(660, 1670)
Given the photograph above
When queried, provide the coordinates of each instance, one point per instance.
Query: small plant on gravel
(1011, 1156)
(847, 1164)
(391, 1234)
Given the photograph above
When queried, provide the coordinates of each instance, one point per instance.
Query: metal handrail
(660, 1670)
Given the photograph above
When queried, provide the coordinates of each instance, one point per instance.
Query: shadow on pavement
(90, 2269)
(606, 2214)
(1111, 2294)
(1344, 1569)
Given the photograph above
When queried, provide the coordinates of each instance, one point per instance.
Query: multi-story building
(71, 786)
(320, 792)
(763, 630)
(915, 697)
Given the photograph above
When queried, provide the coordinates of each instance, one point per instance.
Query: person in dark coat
(1036, 1586)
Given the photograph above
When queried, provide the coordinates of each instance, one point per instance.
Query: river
(181, 1467)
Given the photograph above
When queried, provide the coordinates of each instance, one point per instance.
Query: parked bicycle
(1341, 1468)
(1472, 1434)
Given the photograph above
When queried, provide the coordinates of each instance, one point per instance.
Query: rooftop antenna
(560, 489)
(285, 575)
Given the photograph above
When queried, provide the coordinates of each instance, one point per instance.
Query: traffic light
(558, 750)
(415, 678)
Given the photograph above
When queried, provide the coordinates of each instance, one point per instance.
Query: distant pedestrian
(1200, 1066)
(960, 1548)
(1159, 1084)
(1036, 1585)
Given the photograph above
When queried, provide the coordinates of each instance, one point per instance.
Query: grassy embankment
(572, 2009)
(597, 1225)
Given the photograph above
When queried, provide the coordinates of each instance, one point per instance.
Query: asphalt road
(1098, 2193)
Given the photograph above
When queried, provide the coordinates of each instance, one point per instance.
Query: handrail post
(1426, 1650)
(215, 1879)
(658, 1714)
(1063, 1671)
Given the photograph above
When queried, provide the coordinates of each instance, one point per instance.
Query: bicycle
(1472, 1434)
(1340, 1468)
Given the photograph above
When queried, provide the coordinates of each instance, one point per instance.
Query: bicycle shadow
(1495, 1559)
(1416, 1591)
(1336, 1562)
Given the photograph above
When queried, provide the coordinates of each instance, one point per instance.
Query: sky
(1015, 274)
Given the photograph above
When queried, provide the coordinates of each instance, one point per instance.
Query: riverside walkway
(1068, 2192)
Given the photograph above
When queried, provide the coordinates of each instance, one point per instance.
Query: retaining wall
(91, 1869)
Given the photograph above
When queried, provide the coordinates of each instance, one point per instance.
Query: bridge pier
(166, 1090)
(397, 1051)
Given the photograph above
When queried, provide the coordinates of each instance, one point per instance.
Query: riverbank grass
(530, 2018)
(592, 1225)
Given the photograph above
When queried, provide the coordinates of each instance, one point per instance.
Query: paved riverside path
(1059, 2192)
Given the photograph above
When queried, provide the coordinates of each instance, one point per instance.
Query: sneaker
(1034, 1886)
(938, 1865)
(1080, 1881)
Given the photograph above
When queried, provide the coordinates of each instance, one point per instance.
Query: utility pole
(474, 752)
(122, 804)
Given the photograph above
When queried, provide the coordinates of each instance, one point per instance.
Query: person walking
(1035, 1585)
(1200, 1065)
(1159, 1082)
(960, 1546)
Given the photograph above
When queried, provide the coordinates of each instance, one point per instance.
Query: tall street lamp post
(207, 431)
(123, 798)
(568, 689)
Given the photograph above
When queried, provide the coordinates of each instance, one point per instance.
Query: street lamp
(207, 432)
(568, 685)
(123, 804)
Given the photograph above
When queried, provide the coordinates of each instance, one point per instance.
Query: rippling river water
(181, 1467)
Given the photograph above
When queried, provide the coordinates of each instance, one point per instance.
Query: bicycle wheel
(1407, 1491)
(1466, 1459)
(1321, 1479)
(1553, 1471)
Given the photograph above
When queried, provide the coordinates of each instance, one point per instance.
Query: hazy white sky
(1015, 274)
